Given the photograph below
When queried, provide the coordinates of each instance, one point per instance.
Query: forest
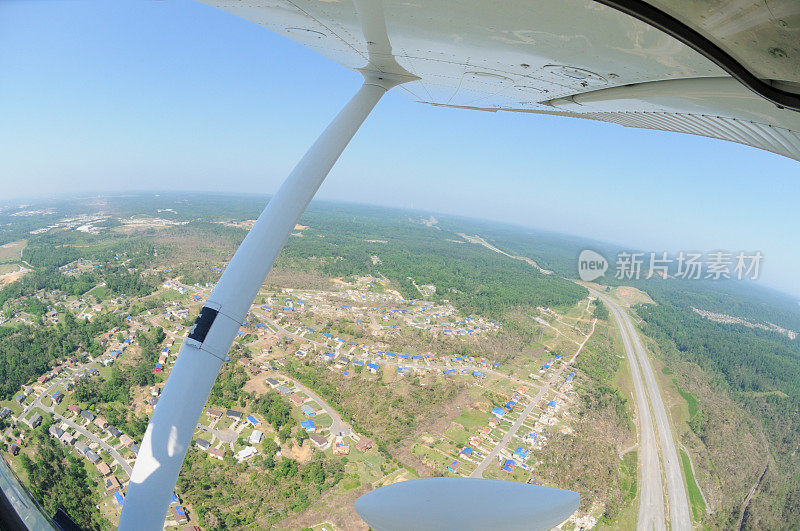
(26, 352)
(61, 481)
(760, 370)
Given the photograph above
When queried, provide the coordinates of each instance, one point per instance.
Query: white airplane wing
(728, 69)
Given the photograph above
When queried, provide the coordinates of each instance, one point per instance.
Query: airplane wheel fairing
(465, 503)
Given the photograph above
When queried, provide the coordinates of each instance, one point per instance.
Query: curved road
(651, 506)
(338, 426)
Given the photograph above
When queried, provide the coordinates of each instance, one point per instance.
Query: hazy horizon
(598, 244)
(182, 96)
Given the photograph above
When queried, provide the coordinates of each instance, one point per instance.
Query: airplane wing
(728, 69)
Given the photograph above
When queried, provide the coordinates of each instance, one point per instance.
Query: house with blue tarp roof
(552, 403)
(308, 425)
(466, 451)
(358, 363)
(252, 420)
(510, 405)
(522, 453)
(449, 371)
(498, 412)
(478, 374)
(119, 499)
(373, 367)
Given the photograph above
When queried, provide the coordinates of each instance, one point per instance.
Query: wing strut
(170, 430)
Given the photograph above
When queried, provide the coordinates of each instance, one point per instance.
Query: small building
(113, 431)
(341, 448)
(55, 431)
(112, 483)
(363, 444)
(246, 453)
(252, 420)
(552, 404)
(13, 449)
(283, 390)
(466, 451)
(296, 399)
(215, 413)
(272, 382)
(309, 426)
(119, 499)
(34, 421)
(521, 453)
(498, 412)
(103, 469)
(126, 440)
(4, 413)
(256, 436)
(100, 422)
(233, 414)
(58, 396)
(453, 467)
(179, 512)
(202, 444)
(74, 408)
(307, 410)
(319, 441)
(88, 415)
(92, 456)
(217, 453)
(372, 367)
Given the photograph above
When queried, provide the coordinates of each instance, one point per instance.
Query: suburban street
(651, 506)
(338, 425)
(492, 456)
(94, 438)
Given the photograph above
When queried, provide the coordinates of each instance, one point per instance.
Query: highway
(651, 505)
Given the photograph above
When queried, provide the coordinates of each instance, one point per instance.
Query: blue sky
(157, 95)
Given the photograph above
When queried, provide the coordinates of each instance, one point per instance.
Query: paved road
(651, 507)
(491, 457)
(91, 436)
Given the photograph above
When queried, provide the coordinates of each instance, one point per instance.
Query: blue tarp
(252, 420)
(498, 411)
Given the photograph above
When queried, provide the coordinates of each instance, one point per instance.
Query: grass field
(12, 252)
(628, 479)
(472, 419)
(695, 498)
(691, 401)
(101, 292)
